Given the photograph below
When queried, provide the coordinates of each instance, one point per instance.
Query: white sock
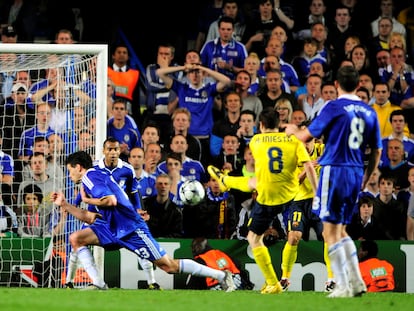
(72, 266)
(88, 263)
(352, 259)
(196, 269)
(148, 268)
(336, 253)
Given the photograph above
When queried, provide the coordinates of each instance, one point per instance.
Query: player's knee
(74, 240)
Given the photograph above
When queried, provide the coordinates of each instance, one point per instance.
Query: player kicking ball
(116, 224)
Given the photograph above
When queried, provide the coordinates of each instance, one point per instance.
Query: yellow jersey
(277, 157)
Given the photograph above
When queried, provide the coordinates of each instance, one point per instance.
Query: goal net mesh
(52, 104)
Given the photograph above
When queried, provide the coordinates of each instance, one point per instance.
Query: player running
(116, 224)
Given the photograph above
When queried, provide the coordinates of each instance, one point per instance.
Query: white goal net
(52, 103)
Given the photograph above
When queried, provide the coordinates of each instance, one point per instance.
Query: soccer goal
(72, 80)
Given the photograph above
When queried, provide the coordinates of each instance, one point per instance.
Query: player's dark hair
(348, 78)
(80, 157)
(110, 139)
(269, 118)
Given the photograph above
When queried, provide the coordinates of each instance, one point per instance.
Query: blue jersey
(302, 65)
(348, 126)
(397, 93)
(408, 150)
(192, 169)
(121, 219)
(35, 87)
(199, 102)
(28, 137)
(146, 185)
(157, 93)
(124, 175)
(254, 87)
(289, 74)
(232, 53)
(6, 164)
(128, 134)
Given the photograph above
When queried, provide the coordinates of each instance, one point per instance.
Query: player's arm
(81, 214)
(373, 162)
(222, 80)
(302, 134)
(164, 72)
(105, 201)
(311, 175)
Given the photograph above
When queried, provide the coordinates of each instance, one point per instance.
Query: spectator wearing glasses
(284, 108)
(387, 10)
(381, 41)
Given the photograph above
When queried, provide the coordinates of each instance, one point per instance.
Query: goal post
(78, 95)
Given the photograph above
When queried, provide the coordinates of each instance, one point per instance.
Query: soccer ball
(191, 192)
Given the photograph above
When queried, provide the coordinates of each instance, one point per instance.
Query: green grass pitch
(179, 300)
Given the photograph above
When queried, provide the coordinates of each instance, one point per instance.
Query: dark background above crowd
(147, 23)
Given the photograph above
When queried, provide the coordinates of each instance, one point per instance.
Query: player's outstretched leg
(191, 267)
(218, 176)
(226, 182)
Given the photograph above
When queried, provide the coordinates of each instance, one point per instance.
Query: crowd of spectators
(246, 57)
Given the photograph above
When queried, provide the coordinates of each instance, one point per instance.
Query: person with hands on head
(198, 96)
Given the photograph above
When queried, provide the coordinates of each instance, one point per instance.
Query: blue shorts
(141, 241)
(337, 193)
(300, 217)
(262, 216)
